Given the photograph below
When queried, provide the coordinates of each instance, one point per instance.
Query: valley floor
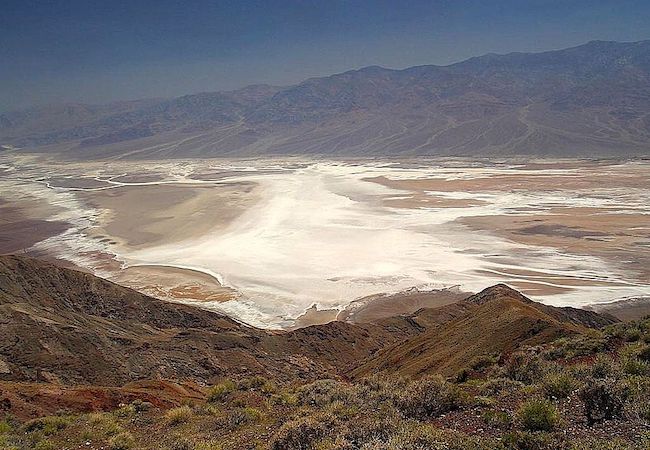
(224, 234)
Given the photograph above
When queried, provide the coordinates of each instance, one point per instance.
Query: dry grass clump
(48, 425)
(122, 441)
(219, 392)
(179, 415)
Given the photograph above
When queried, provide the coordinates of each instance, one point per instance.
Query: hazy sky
(97, 51)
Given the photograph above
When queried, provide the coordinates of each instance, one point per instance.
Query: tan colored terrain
(164, 213)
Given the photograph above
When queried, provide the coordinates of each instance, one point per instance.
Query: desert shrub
(644, 353)
(141, 405)
(495, 386)
(208, 445)
(417, 436)
(632, 334)
(538, 415)
(300, 434)
(122, 441)
(380, 390)
(242, 416)
(603, 444)
(602, 367)
(284, 398)
(582, 345)
(524, 367)
(48, 425)
(638, 403)
(525, 440)
(462, 375)
(428, 397)
(370, 428)
(104, 424)
(220, 391)
(498, 419)
(633, 366)
(324, 392)
(483, 362)
(256, 383)
(180, 443)
(5, 427)
(125, 411)
(483, 402)
(603, 399)
(558, 385)
(179, 415)
(616, 330)
(45, 445)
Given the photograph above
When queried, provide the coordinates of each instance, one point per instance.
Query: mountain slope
(495, 321)
(593, 99)
(60, 325)
(66, 326)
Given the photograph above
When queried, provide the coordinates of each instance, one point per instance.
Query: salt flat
(264, 241)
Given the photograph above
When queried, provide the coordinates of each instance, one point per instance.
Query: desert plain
(284, 241)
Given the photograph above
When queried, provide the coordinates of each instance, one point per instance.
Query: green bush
(45, 445)
(602, 367)
(603, 399)
(483, 362)
(644, 353)
(632, 334)
(633, 366)
(498, 419)
(428, 397)
(241, 416)
(523, 440)
(538, 415)
(48, 425)
(524, 367)
(4, 427)
(558, 385)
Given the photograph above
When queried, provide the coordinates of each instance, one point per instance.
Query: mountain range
(590, 100)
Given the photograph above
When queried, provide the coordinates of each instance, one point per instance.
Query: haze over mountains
(590, 100)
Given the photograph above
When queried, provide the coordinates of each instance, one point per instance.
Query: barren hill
(60, 325)
(495, 321)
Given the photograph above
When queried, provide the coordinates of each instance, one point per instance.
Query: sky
(93, 51)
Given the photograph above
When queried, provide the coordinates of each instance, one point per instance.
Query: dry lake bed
(265, 240)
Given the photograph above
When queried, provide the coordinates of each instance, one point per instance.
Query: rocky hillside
(589, 100)
(498, 320)
(64, 326)
(61, 325)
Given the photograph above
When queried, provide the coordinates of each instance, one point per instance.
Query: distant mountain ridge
(589, 100)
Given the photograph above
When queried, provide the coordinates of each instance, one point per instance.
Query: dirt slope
(496, 320)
